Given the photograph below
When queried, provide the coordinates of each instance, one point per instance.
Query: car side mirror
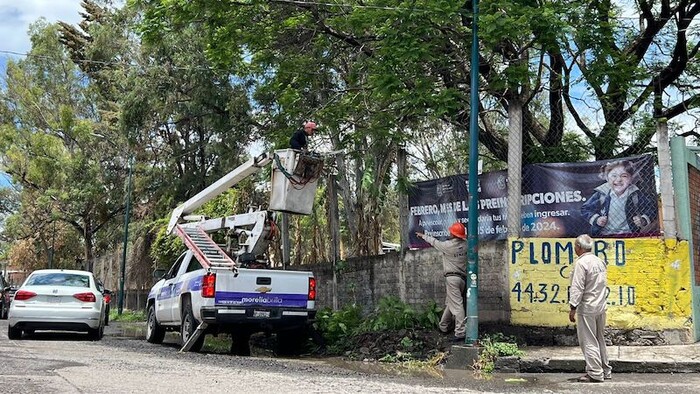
(159, 274)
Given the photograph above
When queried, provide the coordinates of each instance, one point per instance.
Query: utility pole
(472, 329)
(120, 306)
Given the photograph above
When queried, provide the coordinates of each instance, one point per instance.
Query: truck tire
(240, 343)
(292, 342)
(154, 331)
(189, 326)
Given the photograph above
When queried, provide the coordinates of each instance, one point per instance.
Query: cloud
(17, 15)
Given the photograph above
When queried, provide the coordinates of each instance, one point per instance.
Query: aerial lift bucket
(295, 177)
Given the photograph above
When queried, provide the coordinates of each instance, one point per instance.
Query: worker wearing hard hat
(298, 140)
(454, 255)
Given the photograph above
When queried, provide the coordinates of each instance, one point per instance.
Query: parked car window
(58, 279)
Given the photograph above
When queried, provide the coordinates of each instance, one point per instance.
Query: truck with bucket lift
(215, 288)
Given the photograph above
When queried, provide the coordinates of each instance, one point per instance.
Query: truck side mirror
(159, 274)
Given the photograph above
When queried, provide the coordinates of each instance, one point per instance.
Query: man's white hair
(585, 242)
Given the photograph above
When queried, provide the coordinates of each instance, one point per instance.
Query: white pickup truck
(213, 288)
(240, 304)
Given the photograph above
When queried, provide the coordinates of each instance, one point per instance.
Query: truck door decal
(194, 284)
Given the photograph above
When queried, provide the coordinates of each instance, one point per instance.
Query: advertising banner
(611, 198)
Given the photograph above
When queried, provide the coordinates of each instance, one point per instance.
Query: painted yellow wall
(649, 281)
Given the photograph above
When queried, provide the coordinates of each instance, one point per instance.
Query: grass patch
(127, 316)
(217, 344)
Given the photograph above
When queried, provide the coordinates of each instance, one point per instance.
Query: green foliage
(494, 346)
(338, 327)
(127, 315)
(217, 344)
(394, 314)
(431, 315)
(166, 247)
(391, 314)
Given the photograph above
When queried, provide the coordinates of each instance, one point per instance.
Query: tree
(186, 120)
(51, 146)
(380, 75)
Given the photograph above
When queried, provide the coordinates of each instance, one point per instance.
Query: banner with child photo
(610, 198)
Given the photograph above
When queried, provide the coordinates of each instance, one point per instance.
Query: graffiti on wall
(648, 282)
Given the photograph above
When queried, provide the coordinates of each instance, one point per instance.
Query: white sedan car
(64, 300)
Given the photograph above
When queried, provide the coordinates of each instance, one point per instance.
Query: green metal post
(120, 306)
(472, 329)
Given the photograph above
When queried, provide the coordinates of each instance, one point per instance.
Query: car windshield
(58, 279)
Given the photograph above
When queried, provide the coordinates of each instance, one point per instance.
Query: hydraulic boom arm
(241, 172)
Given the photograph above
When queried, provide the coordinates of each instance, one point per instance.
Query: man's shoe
(608, 376)
(442, 332)
(588, 379)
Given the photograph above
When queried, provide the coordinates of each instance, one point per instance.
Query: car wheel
(189, 326)
(95, 334)
(107, 316)
(14, 333)
(154, 331)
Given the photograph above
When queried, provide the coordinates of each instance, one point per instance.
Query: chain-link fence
(567, 189)
(541, 195)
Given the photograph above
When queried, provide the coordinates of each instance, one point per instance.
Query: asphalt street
(70, 363)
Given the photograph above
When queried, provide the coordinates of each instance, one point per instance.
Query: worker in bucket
(454, 255)
(299, 138)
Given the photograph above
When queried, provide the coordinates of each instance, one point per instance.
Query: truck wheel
(189, 326)
(240, 343)
(292, 342)
(14, 333)
(154, 331)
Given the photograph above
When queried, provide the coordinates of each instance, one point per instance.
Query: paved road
(69, 363)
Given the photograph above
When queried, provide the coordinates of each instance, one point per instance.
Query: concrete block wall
(416, 279)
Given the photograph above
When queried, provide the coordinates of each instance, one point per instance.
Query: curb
(532, 365)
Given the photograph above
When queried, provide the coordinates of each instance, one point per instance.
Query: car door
(167, 296)
(189, 264)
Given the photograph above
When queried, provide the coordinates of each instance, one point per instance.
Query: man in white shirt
(587, 301)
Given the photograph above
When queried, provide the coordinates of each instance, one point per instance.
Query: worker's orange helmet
(457, 229)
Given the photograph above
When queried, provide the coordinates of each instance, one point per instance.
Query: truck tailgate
(267, 288)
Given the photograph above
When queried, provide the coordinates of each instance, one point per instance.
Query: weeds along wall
(525, 282)
(416, 279)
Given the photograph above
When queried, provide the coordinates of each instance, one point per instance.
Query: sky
(17, 15)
